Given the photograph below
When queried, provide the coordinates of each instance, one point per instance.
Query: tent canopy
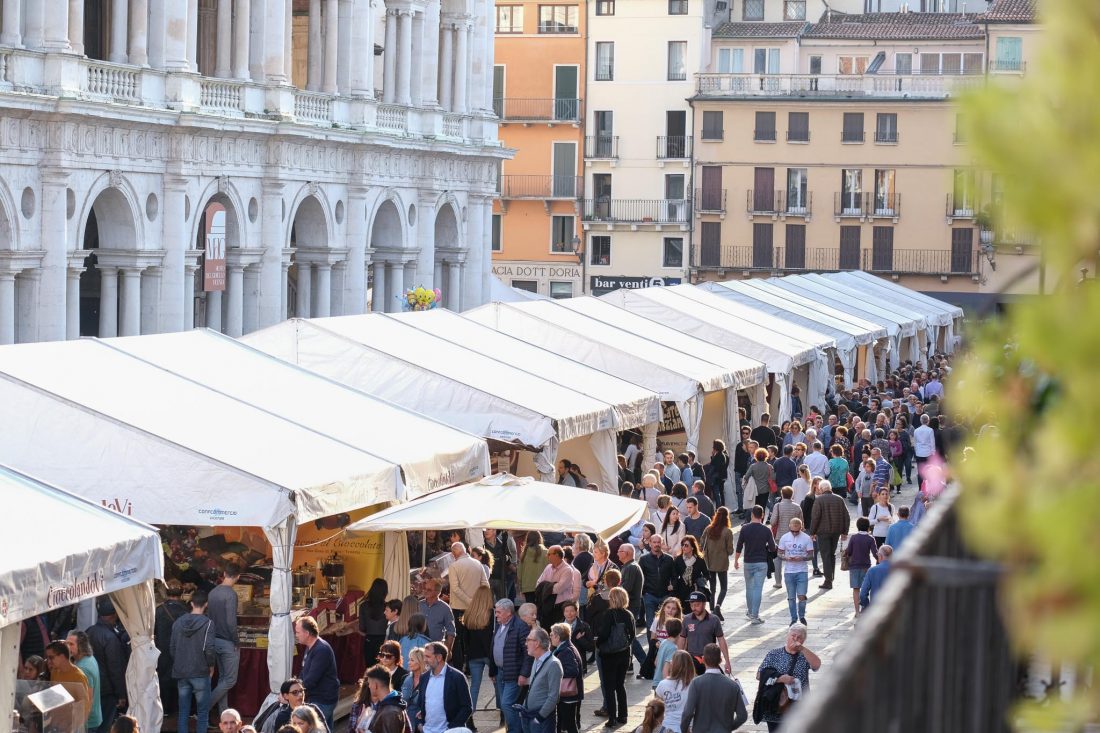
(99, 551)
(501, 292)
(935, 316)
(908, 318)
(439, 456)
(771, 286)
(861, 307)
(167, 450)
(633, 405)
(956, 312)
(503, 501)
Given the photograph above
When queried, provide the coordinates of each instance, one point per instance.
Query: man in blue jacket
(875, 577)
(318, 674)
(506, 661)
(444, 693)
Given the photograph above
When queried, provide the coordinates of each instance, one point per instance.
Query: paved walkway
(829, 613)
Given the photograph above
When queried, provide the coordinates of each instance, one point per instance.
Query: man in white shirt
(795, 548)
(465, 575)
(650, 491)
(445, 692)
(924, 444)
(816, 459)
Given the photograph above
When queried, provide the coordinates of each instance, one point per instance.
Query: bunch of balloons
(421, 299)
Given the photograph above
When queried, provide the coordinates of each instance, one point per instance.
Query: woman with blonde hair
(478, 619)
(654, 717)
(410, 606)
(614, 633)
(601, 563)
(673, 689)
(306, 720)
(410, 687)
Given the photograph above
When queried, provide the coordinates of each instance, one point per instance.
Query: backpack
(617, 641)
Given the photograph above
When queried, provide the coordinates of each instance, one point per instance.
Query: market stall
(91, 551)
(684, 380)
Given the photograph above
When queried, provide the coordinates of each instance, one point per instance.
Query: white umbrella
(504, 501)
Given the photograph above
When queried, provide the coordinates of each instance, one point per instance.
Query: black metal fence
(541, 187)
(673, 146)
(510, 109)
(601, 146)
(638, 211)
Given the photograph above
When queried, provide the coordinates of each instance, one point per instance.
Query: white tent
(917, 345)
(944, 318)
(439, 456)
(789, 362)
(501, 292)
(455, 385)
(678, 376)
(66, 550)
(165, 450)
(507, 502)
(851, 341)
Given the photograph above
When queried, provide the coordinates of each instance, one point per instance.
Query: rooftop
(899, 26)
(1010, 11)
(760, 30)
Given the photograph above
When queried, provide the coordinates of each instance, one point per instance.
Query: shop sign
(213, 267)
(88, 586)
(607, 283)
(537, 270)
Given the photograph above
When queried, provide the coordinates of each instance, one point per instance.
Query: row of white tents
(311, 418)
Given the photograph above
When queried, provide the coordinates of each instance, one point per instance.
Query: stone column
(477, 246)
(176, 27)
(257, 38)
(378, 291)
(192, 41)
(344, 50)
(275, 67)
(108, 302)
(12, 35)
(72, 299)
(389, 59)
(234, 304)
(275, 238)
(189, 271)
(355, 276)
(404, 60)
(251, 312)
(150, 300)
(139, 32)
(214, 310)
(27, 298)
(176, 294)
(34, 20)
(429, 55)
(462, 66)
(332, 45)
(288, 47)
(362, 50)
(7, 308)
(395, 286)
(410, 274)
(416, 72)
(130, 323)
(282, 290)
(314, 70)
(119, 12)
(339, 288)
(50, 309)
(446, 68)
(158, 32)
(223, 55)
(322, 296)
(437, 276)
(242, 17)
(56, 26)
(305, 283)
(453, 296)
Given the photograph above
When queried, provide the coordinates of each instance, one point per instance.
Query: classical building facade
(132, 132)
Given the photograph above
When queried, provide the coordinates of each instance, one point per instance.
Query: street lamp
(576, 242)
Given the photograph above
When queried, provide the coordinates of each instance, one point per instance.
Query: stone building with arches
(340, 150)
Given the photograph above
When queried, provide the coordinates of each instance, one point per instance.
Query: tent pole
(423, 547)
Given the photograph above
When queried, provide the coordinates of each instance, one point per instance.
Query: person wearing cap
(112, 656)
(700, 628)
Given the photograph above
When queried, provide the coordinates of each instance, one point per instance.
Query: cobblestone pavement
(830, 615)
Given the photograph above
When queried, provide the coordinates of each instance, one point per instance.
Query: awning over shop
(508, 502)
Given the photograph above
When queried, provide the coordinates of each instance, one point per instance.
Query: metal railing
(961, 208)
(806, 85)
(770, 259)
(797, 207)
(920, 261)
(601, 146)
(637, 211)
(852, 136)
(763, 202)
(867, 205)
(541, 187)
(798, 136)
(931, 653)
(673, 146)
(511, 109)
(710, 200)
(886, 136)
(1003, 65)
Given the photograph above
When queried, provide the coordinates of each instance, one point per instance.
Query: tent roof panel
(920, 321)
(864, 322)
(940, 313)
(860, 306)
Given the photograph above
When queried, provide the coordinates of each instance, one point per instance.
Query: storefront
(552, 279)
(602, 284)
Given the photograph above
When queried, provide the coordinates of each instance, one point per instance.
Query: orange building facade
(538, 94)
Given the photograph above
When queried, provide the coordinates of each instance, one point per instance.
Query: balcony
(673, 147)
(896, 262)
(550, 111)
(637, 211)
(1007, 66)
(863, 206)
(961, 208)
(940, 262)
(929, 86)
(710, 201)
(541, 187)
(884, 206)
(886, 137)
(767, 202)
(601, 147)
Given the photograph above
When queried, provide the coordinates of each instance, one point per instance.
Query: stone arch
(311, 228)
(448, 233)
(9, 230)
(228, 197)
(110, 220)
(387, 229)
(220, 209)
(449, 257)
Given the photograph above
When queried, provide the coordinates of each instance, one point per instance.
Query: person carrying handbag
(571, 692)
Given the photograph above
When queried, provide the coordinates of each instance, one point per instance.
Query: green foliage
(1032, 496)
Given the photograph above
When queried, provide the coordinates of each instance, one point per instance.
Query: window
(673, 254)
(559, 289)
(563, 229)
(797, 191)
(972, 63)
(762, 250)
(712, 125)
(853, 128)
(605, 60)
(527, 286)
(557, 19)
(849, 248)
(962, 247)
(765, 61)
(754, 10)
(564, 170)
(903, 63)
(851, 192)
(815, 64)
(794, 256)
(798, 127)
(929, 63)
(963, 192)
(677, 7)
(731, 60)
(497, 221)
(509, 19)
(710, 244)
(794, 9)
(882, 248)
(599, 250)
(960, 129)
(848, 65)
(605, 7)
(677, 60)
(885, 196)
(711, 198)
(675, 198)
(886, 127)
(1009, 52)
(763, 192)
(951, 63)
(498, 90)
(765, 127)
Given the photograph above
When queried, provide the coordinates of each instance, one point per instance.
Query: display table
(252, 679)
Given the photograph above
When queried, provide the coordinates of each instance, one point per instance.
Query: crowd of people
(534, 613)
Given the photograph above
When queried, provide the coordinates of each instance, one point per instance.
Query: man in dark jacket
(657, 571)
(764, 433)
(166, 616)
(444, 692)
(192, 649)
(389, 709)
(318, 668)
(830, 522)
(506, 661)
(112, 655)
